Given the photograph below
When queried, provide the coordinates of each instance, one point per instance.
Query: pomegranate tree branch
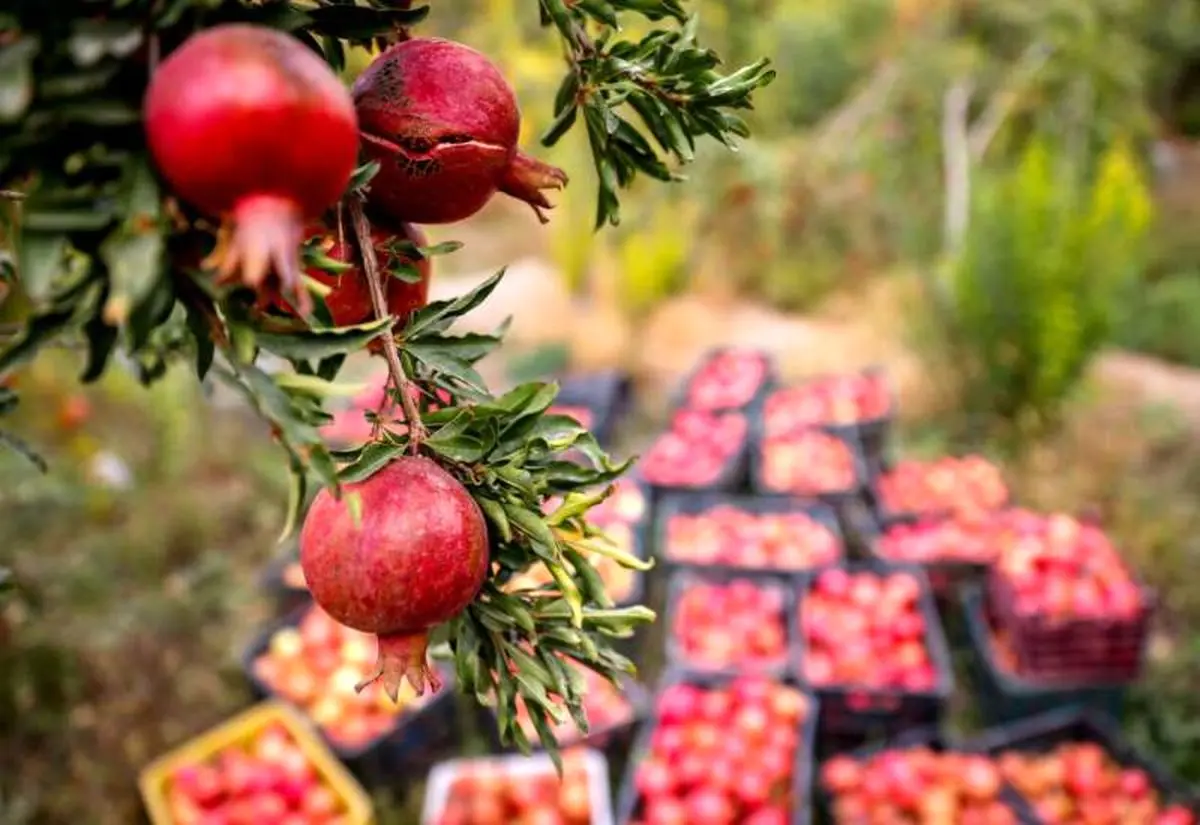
(408, 401)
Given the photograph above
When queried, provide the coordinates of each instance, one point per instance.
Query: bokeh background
(999, 201)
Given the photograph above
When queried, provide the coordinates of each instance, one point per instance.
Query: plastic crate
(442, 777)
(419, 737)
(1107, 649)
(628, 800)
(845, 501)
(851, 711)
(692, 504)
(154, 780)
(731, 479)
(945, 577)
(1005, 696)
(929, 737)
(682, 580)
(606, 395)
(874, 433)
(680, 400)
(885, 514)
(1043, 732)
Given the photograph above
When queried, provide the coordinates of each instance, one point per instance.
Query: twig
(362, 232)
(12, 195)
(987, 126)
(834, 132)
(956, 161)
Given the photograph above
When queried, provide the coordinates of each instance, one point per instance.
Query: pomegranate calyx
(526, 177)
(262, 235)
(402, 656)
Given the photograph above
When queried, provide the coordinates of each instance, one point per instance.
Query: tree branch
(987, 126)
(956, 163)
(403, 387)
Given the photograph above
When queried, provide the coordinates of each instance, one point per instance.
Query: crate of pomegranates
(918, 778)
(860, 404)
(967, 486)
(264, 765)
(722, 748)
(1003, 693)
(871, 646)
(596, 400)
(1073, 765)
(725, 621)
(809, 463)
(1069, 602)
(954, 550)
(699, 450)
(727, 379)
(519, 789)
(729, 532)
(613, 712)
(312, 662)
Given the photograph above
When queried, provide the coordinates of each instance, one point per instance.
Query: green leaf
(465, 449)
(133, 252)
(361, 23)
(41, 259)
(313, 344)
(22, 448)
(438, 315)
(40, 330)
(373, 458)
(16, 78)
(438, 359)
(318, 387)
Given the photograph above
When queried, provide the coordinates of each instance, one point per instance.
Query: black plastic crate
(1043, 732)
(1075, 648)
(418, 739)
(873, 433)
(929, 737)
(851, 711)
(945, 576)
(1005, 696)
(680, 397)
(731, 479)
(607, 395)
(844, 501)
(693, 504)
(628, 800)
(681, 580)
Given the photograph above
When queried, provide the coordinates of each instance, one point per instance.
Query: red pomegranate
(349, 299)
(250, 126)
(409, 555)
(443, 124)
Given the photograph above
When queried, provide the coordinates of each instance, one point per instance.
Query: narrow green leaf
(314, 344)
(373, 458)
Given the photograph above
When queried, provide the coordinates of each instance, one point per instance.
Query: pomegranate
(349, 299)
(250, 126)
(443, 124)
(410, 555)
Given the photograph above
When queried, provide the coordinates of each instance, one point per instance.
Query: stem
(362, 232)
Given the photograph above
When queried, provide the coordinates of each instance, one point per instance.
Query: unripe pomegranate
(349, 298)
(443, 124)
(409, 555)
(250, 126)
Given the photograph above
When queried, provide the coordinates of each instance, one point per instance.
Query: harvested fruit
(728, 535)
(740, 624)
(916, 786)
(1077, 783)
(729, 380)
(973, 541)
(865, 629)
(723, 755)
(836, 400)
(519, 791)
(1059, 567)
(317, 666)
(809, 462)
(967, 486)
(406, 282)
(400, 552)
(267, 779)
(443, 124)
(606, 706)
(696, 449)
(250, 126)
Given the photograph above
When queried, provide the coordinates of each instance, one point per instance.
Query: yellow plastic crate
(154, 778)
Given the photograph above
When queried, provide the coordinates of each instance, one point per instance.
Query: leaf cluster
(666, 80)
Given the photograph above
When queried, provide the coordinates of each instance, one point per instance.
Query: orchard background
(855, 228)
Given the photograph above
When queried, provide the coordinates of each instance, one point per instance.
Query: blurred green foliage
(1050, 254)
(1162, 319)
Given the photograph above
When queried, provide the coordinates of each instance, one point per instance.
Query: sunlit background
(998, 201)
